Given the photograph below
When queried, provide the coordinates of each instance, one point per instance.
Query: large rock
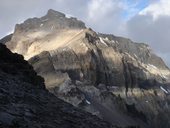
(15, 64)
(25, 103)
(112, 77)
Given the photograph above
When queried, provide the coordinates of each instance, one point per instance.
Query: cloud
(98, 9)
(110, 16)
(16, 11)
(157, 9)
(103, 15)
(151, 25)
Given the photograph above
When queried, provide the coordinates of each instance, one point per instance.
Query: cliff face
(88, 56)
(25, 103)
(102, 74)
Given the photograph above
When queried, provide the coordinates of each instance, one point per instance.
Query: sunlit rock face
(109, 76)
(55, 29)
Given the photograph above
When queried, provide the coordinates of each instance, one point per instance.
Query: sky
(146, 21)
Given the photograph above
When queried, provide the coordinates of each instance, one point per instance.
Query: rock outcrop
(6, 38)
(25, 103)
(119, 80)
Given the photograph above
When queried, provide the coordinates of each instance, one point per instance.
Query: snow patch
(64, 49)
(127, 53)
(150, 65)
(135, 55)
(106, 39)
(68, 16)
(163, 76)
(163, 89)
(88, 102)
(41, 25)
(113, 41)
(102, 41)
(82, 44)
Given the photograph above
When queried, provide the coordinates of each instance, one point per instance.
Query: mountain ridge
(96, 72)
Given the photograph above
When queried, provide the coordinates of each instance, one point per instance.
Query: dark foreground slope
(25, 103)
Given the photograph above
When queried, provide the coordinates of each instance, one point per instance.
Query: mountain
(121, 81)
(25, 103)
(6, 38)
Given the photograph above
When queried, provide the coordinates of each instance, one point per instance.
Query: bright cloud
(159, 8)
(97, 9)
(103, 16)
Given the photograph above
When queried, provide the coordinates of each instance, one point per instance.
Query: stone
(62, 49)
(30, 105)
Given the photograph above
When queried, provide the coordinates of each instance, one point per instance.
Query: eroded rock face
(24, 102)
(100, 60)
(6, 38)
(99, 73)
(27, 37)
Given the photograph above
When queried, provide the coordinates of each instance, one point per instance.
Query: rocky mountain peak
(54, 13)
(52, 21)
(99, 67)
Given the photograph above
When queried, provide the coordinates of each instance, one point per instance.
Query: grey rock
(6, 38)
(6, 118)
(30, 105)
(112, 77)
